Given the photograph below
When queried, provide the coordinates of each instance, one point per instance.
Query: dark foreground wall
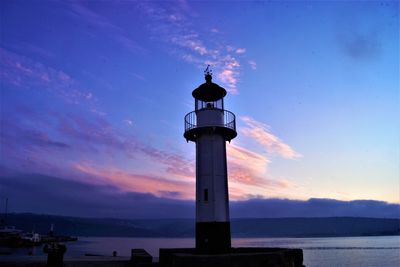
(182, 257)
(237, 257)
(83, 263)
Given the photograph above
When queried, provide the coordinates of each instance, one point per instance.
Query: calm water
(337, 251)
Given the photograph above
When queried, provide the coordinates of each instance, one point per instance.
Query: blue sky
(95, 92)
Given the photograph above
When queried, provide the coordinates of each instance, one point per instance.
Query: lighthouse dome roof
(209, 91)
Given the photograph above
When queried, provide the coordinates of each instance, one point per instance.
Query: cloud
(133, 182)
(253, 64)
(53, 195)
(128, 122)
(83, 146)
(79, 146)
(176, 164)
(95, 132)
(119, 35)
(97, 112)
(191, 42)
(22, 72)
(32, 137)
(138, 76)
(248, 173)
(36, 146)
(240, 50)
(106, 139)
(260, 132)
(61, 143)
(23, 46)
(24, 146)
(241, 158)
(360, 46)
(314, 207)
(94, 148)
(171, 26)
(227, 76)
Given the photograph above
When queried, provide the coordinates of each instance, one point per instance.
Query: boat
(10, 236)
(31, 237)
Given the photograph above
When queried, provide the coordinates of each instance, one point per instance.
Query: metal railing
(229, 121)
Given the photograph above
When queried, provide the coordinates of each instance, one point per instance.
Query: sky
(93, 96)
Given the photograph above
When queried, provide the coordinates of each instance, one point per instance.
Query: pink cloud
(26, 70)
(175, 164)
(247, 169)
(236, 192)
(193, 48)
(253, 161)
(228, 76)
(228, 72)
(133, 182)
(193, 59)
(26, 141)
(191, 42)
(157, 171)
(99, 134)
(260, 132)
(248, 173)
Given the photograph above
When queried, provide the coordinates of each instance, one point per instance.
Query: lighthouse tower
(210, 126)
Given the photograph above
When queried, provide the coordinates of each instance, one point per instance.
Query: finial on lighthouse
(208, 74)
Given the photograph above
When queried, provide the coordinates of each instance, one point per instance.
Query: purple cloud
(314, 207)
(53, 141)
(53, 195)
(19, 71)
(114, 32)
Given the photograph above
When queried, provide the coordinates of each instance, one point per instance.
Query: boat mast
(5, 213)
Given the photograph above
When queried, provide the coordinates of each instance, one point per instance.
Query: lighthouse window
(206, 195)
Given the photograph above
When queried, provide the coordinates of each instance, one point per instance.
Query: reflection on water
(336, 251)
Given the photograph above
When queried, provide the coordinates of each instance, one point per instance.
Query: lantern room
(209, 113)
(209, 95)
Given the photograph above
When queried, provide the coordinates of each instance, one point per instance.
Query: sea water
(333, 251)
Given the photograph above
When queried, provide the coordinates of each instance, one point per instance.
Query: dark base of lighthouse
(235, 257)
(213, 237)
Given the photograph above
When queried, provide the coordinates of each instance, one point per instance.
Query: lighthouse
(209, 126)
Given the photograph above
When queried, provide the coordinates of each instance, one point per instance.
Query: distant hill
(246, 227)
